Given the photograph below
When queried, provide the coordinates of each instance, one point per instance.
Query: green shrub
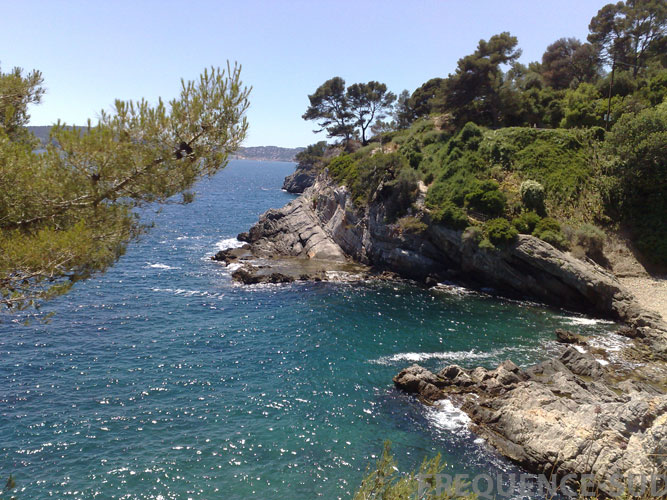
(421, 126)
(487, 198)
(451, 216)
(414, 158)
(532, 195)
(549, 230)
(500, 231)
(546, 224)
(589, 240)
(556, 239)
(526, 222)
(411, 224)
(387, 137)
(343, 169)
(385, 482)
(401, 192)
(313, 153)
(473, 234)
(434, 137)
(471, 133)
(486, 244)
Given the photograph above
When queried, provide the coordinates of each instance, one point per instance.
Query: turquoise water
(162, 379)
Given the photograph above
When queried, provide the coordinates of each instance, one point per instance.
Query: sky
(93, 52)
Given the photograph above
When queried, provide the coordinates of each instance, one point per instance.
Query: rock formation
(568, 415)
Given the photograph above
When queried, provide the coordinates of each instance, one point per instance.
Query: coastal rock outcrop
(563, 416)
(324, 223)
(300, 180)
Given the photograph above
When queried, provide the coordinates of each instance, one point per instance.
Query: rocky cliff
(302, 178)
(324, 223)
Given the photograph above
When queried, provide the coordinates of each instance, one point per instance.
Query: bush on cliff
(637, 147)
(549, 230)
(401, 192)
(526, 222)
(500, 231)
(450, 216)
(532, 196)
(486, 198)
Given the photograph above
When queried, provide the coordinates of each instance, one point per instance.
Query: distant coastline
(257, 153)
(267, 153)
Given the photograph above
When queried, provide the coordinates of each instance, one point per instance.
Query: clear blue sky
(92, 52)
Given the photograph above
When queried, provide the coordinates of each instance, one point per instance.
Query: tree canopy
(625, 32)
(341, 112)
(67, 212)
(568, 62)
(368, 102)
(330, 107)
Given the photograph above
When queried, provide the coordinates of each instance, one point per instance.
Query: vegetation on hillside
(558, 149)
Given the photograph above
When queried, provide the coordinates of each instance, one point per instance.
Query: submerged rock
(568, 337)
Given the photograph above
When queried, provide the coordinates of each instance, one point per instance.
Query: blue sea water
(162, 379)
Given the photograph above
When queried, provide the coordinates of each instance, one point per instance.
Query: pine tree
(67, 213)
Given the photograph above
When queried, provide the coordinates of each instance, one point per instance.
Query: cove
(163, 379)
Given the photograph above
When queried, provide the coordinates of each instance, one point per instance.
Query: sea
(163, 379)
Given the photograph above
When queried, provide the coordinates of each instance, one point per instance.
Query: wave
(446, 416)
(180, 238)
(229, 243)
(417, 357)
(188, 293)
(453, 289)
(576, 320)
(160, 266)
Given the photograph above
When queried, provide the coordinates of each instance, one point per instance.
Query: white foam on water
(189, 293)
(343, 276)
(229, 243)
(453, 289)
(160, 266)
(576, 320)
(447, 417)
(233, 267)
(580, 349)
(416, 357)
(609, 343)
(180, 238)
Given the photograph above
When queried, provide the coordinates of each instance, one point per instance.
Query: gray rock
(568, 337)
(299, 181)
(549, 419)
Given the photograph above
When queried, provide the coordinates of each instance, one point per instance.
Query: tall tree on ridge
(368, 102)
(472, 93)
(567, 61)
(624, 32)
(329, 104)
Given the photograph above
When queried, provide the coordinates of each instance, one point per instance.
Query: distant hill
(257, 153)
(267, 153)
(41, 132)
